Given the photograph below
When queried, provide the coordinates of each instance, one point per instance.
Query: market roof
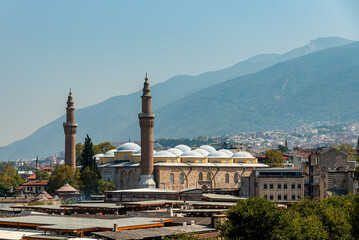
(60, 224)
(155, 232)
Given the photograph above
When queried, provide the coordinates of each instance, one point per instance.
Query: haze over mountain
(185, 106)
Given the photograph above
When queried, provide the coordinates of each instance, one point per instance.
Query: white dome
(218, 155)
(202, 151)
(129, 147)
(242, 154)
(138, 153)
(183, 148)
(110, 153)
(191, 154)
(208, 148)
(97, 156)
(175, 151)
(229, 153)
(165, 154)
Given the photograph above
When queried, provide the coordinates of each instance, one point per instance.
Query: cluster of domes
(180, 153)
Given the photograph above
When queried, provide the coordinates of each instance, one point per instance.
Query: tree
(105, 186)
(9, 179)
(89, 182)
(282, 148)
(254, 218)
(88, 159)
(103, 147)
(43, 175)
(61, 175)
(274, 158)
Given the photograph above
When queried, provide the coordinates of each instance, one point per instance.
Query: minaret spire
(146, 118)
(70, 127)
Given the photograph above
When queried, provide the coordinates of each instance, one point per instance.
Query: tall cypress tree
(87, 157)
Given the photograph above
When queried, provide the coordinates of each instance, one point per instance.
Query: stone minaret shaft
(70, 127)
(146, 118)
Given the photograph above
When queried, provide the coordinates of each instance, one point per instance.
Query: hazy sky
(103, 48)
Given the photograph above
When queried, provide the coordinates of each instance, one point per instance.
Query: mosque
(178, 168)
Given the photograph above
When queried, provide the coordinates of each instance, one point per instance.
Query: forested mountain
(182, 106)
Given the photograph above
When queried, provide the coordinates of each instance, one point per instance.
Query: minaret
(70, 127)
(286, 143)
(37, 166)
(147, 119)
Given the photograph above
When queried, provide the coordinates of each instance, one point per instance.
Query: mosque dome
(183, 148)
(218, 155)
(138, 153)
(226, 151)
(175, 151)
(191, 154)
(110, 153)
(208, 148)
(97, 156)
(129, 147)
(202, 151)
(242, 154)
(164, 154)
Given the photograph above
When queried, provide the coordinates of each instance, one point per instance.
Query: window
(293, 197)
(270, 186)
(271, 197)
(279, 197)
(208, 176)
(265, 196)
(293, 186)
(200, 161)
(299, 186)
(181, 178)
(279, 186)
(285, 186)
(265, 186)
(172, 178)
(236, 178)
(285, 197)
(334, 184)
(200, 176)
(227, 178)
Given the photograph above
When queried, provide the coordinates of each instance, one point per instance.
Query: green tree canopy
(9, 179)
(61, 175)
(274, 158)
(42, 175)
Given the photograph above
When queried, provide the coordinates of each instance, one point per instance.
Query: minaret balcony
(146, 115)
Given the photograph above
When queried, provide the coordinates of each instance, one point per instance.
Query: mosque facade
(178, 168)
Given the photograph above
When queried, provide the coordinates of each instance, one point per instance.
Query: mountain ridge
(109, 119)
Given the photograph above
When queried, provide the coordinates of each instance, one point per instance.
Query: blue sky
(103, 48)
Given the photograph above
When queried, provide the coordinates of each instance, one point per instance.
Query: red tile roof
(32, 177)
(37, 183)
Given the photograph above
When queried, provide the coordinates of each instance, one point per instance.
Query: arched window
(172, 178)
(130, 178)
(200, 176)
(181, 178)
(124, 179)
(208, 176)
(236, 178)
(227, 178)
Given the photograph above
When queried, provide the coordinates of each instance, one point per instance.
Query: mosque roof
(110, 153)
(208, 148)
(97, 156)
(164, 154)
(242, 154)
(202, 151)
(192, 154)
(129, 147)
(183, 148)
(138, 153)
(218, 155)
(226, 151)
(175, 151)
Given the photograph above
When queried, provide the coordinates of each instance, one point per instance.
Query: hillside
(116, 118)
(322, 86)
